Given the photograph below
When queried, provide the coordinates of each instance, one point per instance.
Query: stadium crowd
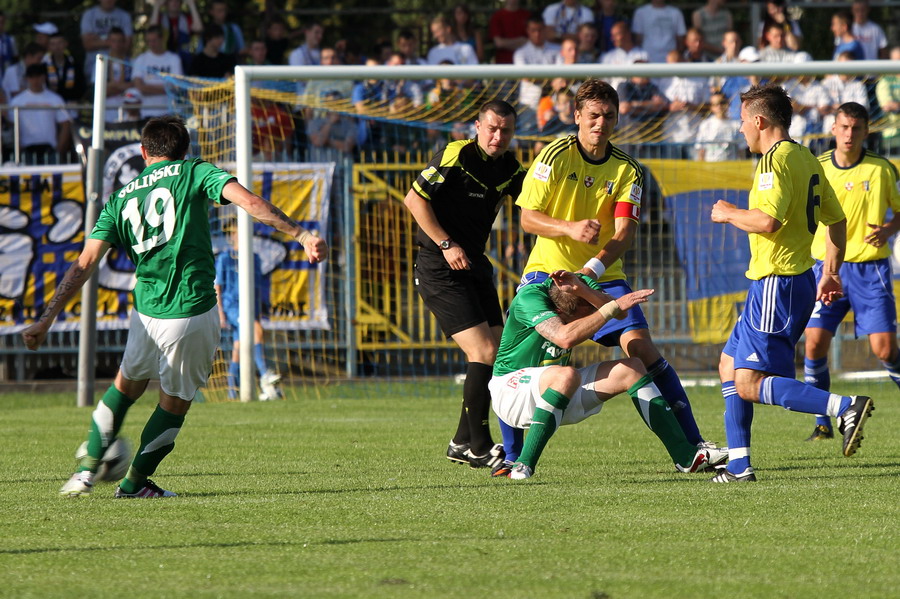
(695, 116)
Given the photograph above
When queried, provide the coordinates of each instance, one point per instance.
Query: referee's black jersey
(465, 188)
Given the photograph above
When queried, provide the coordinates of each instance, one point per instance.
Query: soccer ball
(114, 463)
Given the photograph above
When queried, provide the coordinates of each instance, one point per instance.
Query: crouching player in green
(533, 387)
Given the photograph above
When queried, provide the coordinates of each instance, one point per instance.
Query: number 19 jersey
(161, 220)
(791, 187)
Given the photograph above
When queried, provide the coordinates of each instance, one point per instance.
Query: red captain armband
(628, 210)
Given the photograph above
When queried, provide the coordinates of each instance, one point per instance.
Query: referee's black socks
(477, 402)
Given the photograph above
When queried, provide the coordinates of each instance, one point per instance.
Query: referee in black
(455, 201)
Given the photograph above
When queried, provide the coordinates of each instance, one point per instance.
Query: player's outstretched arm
(751, 221)
(269, 214)
(73, 280)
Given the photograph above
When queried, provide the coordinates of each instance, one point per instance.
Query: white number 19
(159, 209)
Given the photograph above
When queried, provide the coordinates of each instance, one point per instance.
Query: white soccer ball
(114, 463)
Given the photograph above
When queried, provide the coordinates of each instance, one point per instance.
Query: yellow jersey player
(789, 197)
(866, 185)
(583, 194)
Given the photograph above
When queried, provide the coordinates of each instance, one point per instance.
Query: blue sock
(738, 420)
(234, 379)
(816, 373)
(893, 369)
(668, 383)
(259, 357)
(513, 439)
(793, 395)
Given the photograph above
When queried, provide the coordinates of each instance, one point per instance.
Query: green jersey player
(161, 220)
(533, 386)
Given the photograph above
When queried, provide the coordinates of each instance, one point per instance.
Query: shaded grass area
(334, 497)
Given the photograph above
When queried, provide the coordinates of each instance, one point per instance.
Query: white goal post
(246, 75)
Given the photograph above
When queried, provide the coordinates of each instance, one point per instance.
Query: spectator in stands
(869, 33)
(331, 130)
(658, 28)
(257, 54)
(272, 133)
(713, 21)
(548, 107)
(717, 135)
(562, 120)
(42, 132)
(148, 70)
(809, 100)
(844, 40)
(694, 47)
(777, 14)
(445, 90)
(537, 51)
(507, 29)
(309, 52)
(65, 77)
(624, 51)
(14, 78)
(735, 85)
(607, 14)
(382, 51)
(131, 105)
(564, 17)
(774, 49)
(688, 98)
(568, 50)
(320, 88)
(43, 31)
(408, 45)
(210, 62)
(96, 23)
(277, 40)
(887, 90)
(234, 37)
(842, 89)
(181, 29)
(8, 52)
(447, 47)
(641, 101)
(119, 74)
(588, 38)
(731, 44)
(402, 88)
(367, 95)
(466, 31)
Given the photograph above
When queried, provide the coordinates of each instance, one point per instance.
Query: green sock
(543, 424)
(106, 421)
(157, 440)
(660, 419)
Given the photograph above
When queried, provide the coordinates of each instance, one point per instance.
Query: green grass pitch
(351, 497)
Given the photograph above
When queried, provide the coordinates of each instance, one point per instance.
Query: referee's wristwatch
(445, 243)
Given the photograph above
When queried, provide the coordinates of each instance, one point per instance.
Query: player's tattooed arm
(549, 329)
(68, 288)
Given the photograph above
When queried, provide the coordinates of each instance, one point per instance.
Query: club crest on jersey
(610, 186)
(541, 171)
(848, 185)
(636, 193)
(588, 181)
(766, 181)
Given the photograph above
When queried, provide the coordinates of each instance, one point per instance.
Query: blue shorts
(609, 333)
(868, 291)
(774, 316)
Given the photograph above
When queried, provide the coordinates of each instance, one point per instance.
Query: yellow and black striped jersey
(790, 186)
(565, 184)
(865, 190)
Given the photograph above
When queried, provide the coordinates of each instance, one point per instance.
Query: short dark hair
(769, 101)
(536, 19)
(36, 70)
(596, 89)
(157, 29)
(854, 110)
(117, 31)
(498, 107)
(166, 137)
(212, 31)
(32, 48)
(845, 16)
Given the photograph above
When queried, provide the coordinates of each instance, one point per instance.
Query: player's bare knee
(563, 379)
(628, 371)
(726, 367)
(746, 383)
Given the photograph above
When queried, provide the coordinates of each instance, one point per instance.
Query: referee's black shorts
(459, 299)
